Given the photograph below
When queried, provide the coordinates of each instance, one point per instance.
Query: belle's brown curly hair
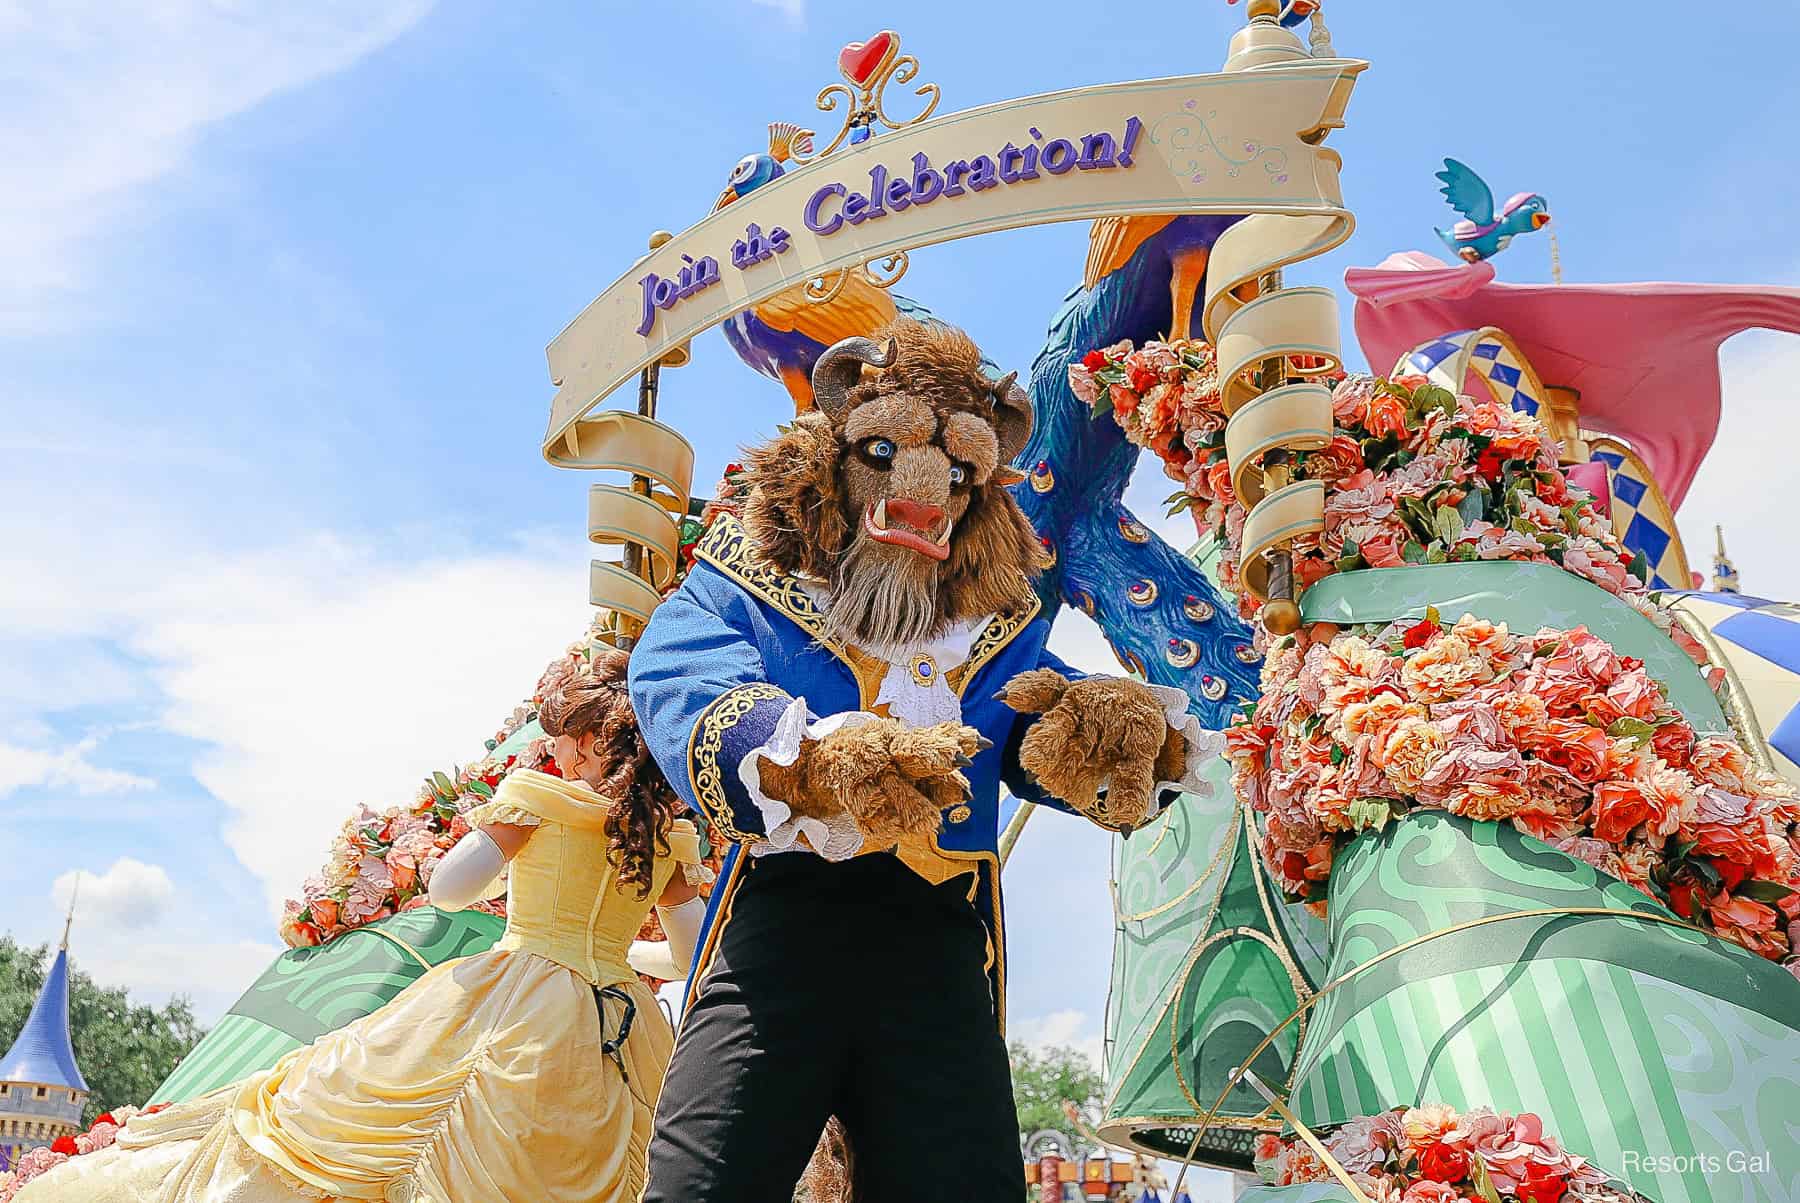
(594, 701)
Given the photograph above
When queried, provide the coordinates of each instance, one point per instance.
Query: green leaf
(1432, 616)
(1449, 525)
(1349, 563)
(1413, 553)
(444, 784)
(1626, 727)
(1770, 892)
(1435, 554)
(1473, 506)
(1338, 755)
(1366, 813)
(1434, 396)
(1640, 567)
(1480, 1180)
(1102, 405)
(1704, 870)
(481, 789)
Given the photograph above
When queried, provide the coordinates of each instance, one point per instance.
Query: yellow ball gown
(483, 1081)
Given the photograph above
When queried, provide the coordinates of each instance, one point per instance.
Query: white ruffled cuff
(836, 838)
(1203, 745)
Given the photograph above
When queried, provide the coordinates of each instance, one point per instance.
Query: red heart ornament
(861, 62)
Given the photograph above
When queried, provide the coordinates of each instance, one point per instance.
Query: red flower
(1093, 361)
(1420, 633)
(1142, 380)
(1686, 898)
(1732, 872)
(1541, 1185)
(105, 1117)
(1489, 464)
(65, 1145)
(1555, 490)
(1674, 742)
(1443, 1162)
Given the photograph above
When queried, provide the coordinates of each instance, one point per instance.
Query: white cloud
(330, 674)
(1745, 484)
(62, 768)
(105, 99)
(130, 894)
(1058, 1029)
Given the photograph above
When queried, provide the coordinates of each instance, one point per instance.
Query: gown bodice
(565, 900)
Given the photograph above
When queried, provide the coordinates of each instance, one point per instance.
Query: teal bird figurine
(1482, 234)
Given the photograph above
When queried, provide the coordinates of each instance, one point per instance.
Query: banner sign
(1231, 143)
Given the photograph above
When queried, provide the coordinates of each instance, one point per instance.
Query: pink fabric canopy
(1645, 357)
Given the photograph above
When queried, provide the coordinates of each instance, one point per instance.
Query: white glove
(468, 873)
(682, 925)
(653, 959)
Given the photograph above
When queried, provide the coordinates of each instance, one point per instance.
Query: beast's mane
(796, 509)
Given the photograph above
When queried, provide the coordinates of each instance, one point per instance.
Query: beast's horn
(841, 366)
(1012, 416)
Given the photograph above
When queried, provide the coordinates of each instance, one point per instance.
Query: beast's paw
(895, 781)
(1102, 731)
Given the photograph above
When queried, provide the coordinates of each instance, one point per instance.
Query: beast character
(841, 686)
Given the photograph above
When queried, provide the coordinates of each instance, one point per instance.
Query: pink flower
(1365, 1142)
(1362, 497)
(1427, 1191)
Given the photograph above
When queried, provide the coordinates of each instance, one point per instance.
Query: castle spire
(42, 1091)
(1725, 577)
(69, 922)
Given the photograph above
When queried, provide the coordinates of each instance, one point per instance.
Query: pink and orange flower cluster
(1431, 1154)
(1554, 732)
(1416, 475)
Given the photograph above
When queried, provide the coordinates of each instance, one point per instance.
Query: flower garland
(381, 862)
(1431, 1154)
(35, 1162)
(1556, 732)
(1417, 475)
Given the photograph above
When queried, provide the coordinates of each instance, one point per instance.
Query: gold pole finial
(1269, 10)
(70, 920)
(661, 238)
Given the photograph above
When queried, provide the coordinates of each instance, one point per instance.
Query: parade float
(1493, 898)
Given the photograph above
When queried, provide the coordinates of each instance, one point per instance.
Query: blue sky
(275, 286)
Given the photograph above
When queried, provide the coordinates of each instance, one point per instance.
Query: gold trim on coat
(705, 743)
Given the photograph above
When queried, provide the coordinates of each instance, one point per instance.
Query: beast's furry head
(894, 489)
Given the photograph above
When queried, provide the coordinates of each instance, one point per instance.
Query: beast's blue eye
(958, 474)
(879, 448)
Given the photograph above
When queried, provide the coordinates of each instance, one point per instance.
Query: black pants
(856, 990)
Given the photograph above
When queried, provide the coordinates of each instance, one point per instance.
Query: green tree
(1043, 1080)
(125, 1050)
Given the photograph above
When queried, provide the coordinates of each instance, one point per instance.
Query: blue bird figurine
(753, 171)
(1482, 234)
